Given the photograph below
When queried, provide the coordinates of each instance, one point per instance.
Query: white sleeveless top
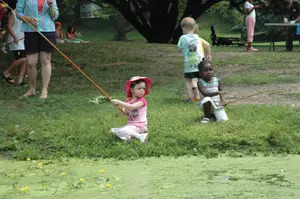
(212, 87)
(17, 27)
(249, 6)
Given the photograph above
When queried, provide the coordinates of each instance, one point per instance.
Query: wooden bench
(224, 41)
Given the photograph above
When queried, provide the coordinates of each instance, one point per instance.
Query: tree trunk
(195, 9)
(163, 20)
(76, 11)
(121, 27)
(125, 8)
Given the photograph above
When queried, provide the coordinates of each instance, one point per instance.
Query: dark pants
(290, 34)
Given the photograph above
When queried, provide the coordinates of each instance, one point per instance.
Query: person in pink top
(135, 106)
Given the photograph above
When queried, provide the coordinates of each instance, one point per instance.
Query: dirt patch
(280, 94)
(284, 94)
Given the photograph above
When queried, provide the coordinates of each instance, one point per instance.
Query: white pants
(219, 113)
(127, 132)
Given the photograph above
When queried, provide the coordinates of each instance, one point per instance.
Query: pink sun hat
(136, 78)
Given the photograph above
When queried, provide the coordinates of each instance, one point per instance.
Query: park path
(164, 177)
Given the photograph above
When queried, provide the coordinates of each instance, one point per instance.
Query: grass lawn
(68, 132)
(69, 125)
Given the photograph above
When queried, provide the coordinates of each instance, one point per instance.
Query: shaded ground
(184, 177)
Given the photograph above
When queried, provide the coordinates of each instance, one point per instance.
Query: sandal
(205, 120)
(8, 79)
(22, 84)
(44, 95)
(29, 94)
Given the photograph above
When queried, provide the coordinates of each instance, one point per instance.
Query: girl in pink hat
(135, 106)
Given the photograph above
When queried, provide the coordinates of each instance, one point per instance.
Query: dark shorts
(35, 43)
(19, 54)
(191, 75)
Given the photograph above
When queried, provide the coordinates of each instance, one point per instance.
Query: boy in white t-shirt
(194, 50)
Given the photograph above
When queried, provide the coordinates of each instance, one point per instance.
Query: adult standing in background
(40, 14)
(250, 22)
(291, 14)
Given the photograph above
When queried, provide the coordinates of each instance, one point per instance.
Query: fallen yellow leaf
(108, 185)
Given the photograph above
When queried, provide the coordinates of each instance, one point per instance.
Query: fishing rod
(65, 56)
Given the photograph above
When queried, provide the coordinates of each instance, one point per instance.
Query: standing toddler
(191, 47)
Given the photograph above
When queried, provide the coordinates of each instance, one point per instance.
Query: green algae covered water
(165, 177)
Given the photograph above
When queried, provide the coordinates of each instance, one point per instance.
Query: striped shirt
(29, 8)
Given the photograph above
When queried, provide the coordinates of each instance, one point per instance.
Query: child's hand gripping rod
(10, 43)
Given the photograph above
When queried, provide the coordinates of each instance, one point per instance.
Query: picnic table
(283, 25)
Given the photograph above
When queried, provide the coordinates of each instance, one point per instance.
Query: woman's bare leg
(32, 60)
(46, 72)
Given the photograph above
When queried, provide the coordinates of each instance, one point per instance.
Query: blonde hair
(188, 24)
(196, 30)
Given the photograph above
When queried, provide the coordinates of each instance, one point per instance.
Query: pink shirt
(70, 36)
(40, 5)
(138, 117)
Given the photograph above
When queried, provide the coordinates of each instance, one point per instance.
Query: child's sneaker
(189, 100)
(143, 137)
(252, 49)
(3, 49)
(196, 99)
(205, 120)
(113, 131)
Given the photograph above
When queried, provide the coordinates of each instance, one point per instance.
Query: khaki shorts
(192, 82)
(195, 82)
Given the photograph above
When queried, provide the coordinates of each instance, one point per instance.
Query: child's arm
(77, 34)
(221, 93)
(207, 49)
(181, 43)
(128, 107)
(204, 93)
(10, 24)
